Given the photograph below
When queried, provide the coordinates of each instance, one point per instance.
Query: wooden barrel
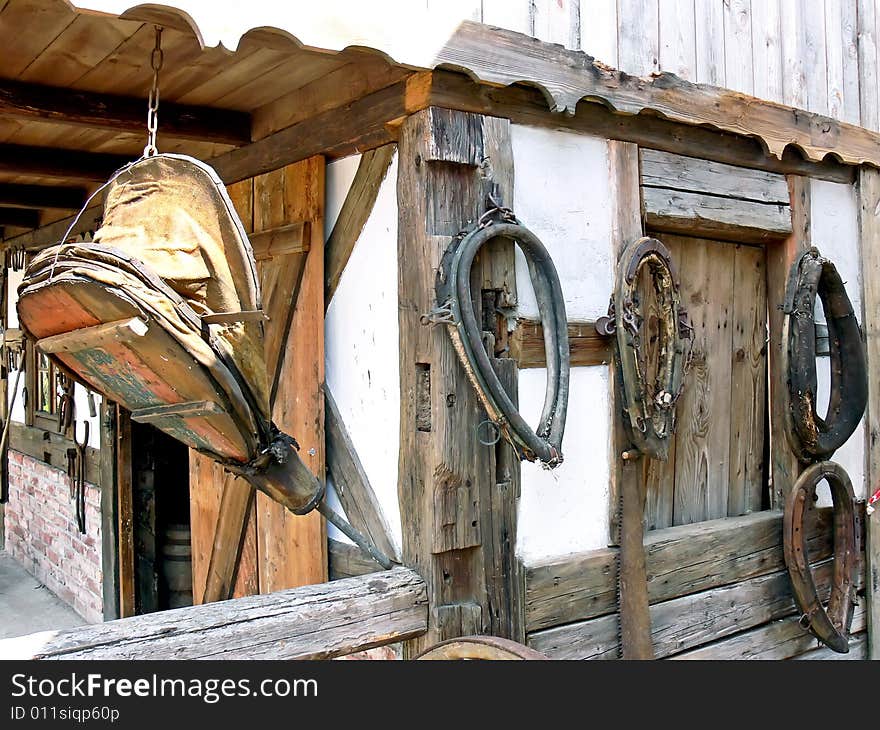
(177, 566)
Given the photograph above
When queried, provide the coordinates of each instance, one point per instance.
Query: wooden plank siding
(705, 581)
(817, 56)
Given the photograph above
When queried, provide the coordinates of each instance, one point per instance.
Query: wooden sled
(118, 351)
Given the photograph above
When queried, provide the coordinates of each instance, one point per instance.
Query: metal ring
(497, 432)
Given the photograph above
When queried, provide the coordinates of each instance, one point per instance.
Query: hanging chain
(156, 59)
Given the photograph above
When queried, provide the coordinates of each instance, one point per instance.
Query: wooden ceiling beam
(59, 163)
(122, 113)
(43, 196)
(19, 217)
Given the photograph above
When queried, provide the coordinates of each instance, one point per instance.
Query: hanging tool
(14, 361)
(648, 417)
(455, 309)
(66, 407)
(831, 625)
(812, 437)
(79, 478)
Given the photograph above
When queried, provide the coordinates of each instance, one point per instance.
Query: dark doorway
(161, 521)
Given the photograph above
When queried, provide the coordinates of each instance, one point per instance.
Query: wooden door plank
(126, 516)
(748, 381)
(703, 439)
(293, 549)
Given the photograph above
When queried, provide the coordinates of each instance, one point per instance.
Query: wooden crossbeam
(20, 217)
(61, 163)
(42, 196)
(121, 113)
(586, 346)
(319, 621)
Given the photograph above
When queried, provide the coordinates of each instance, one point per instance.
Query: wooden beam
(53, 233)
(60, 163)
(109, 511)
(348, 561)
(229, 536)
(526, 105)
(311, 622)
(351, 482)
(122, 113)
(679, 172)
(353, 215)
(125, 514)
(773, 641)
(586, 345)
(784, 466)
(290, 238)
(680, 560)
(869, 234)
(362, 125)
(689, 621)
(19, 217)
(43, 196)
(51, 448)
(502, 57)
(446, 478)
(712, 216)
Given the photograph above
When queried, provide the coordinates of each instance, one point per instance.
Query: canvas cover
(172, 249)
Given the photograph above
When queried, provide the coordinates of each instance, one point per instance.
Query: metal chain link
(156, 59)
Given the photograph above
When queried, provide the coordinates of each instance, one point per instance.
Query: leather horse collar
(649, 406)
(811, 436)
(456, 310)
(830, 625)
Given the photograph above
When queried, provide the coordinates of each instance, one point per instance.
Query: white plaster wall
(562, 194)
(361, 340)
(16, 398)
(835, 232)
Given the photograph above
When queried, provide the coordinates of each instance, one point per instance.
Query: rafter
(122, 113)
(59, 163)
(42, 196)
(19, 217)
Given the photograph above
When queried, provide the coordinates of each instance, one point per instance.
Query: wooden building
(353, 157)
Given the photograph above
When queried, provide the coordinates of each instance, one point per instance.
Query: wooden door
(274, 549)
(716, 460)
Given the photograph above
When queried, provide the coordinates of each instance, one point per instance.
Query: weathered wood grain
(352, 485)
(686, 622)
(858, 649)
(869, 234)
(748, 381)
(692, 174)
(353, 215)
(293, 549)
(714, 216)
(124, 510)
(347, 560)
(290, 238)
(311, 622)
(586, 346)
(703, 411)
(503, 57)
(445, 475)
(783, 639)
(680, 560)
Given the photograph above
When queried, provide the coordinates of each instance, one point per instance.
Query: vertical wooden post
(784, 466)
(457, 497)
(109, 512)
(125, 528)
(869, 241)
(627, 484)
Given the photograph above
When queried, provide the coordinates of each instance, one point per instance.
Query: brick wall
(41, 533)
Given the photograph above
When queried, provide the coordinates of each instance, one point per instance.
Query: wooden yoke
(457, 496)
